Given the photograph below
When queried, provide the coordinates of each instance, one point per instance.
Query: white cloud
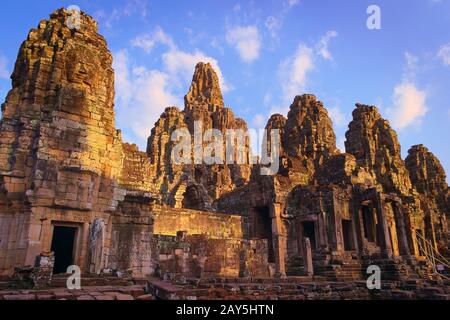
(337, 116)
(410, 70)
(444, 54)
(273, 25)
(409, 105)
(409, 102)
(177, 62)
(322, 46)
(128, 9)
(4, 72)
(143, 94)
(246, 41)
(182, 63)
(292, 3)
(148, 41)
(341, 144)
(215, 43)
(293, 71)
(259, 121)
(267, 98)
(283, 110)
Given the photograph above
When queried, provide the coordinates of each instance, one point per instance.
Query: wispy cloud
(293, 72)
(409, 105)
(259, 121)
(4, 72)
(180, 63)
(338, 117)
(322, 45)
(341, 144)
(409, 102)
(142, 94)
(444, 54)
(148, 41)
(246, 41)
(274, 23)
(292, 3)
(129, 8)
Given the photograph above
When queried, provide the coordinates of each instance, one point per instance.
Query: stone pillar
(322, 240)
(360, 230)
(335, 229)
(307, 257)
(96, 246)
(81, 248)
(401, 231)
(278, 240)
(385, 241)
(355, 235)
(322, 226)
(32, 239)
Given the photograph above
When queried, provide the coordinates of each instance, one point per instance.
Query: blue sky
(266, 52)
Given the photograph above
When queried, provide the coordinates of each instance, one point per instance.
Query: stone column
(359, 229)
(307, 257)
(81, 248)
(278, 240)
(322, 240)
(32, 237)
(385, 242)
(335, 228)
(354, 234)
(401, 231)
(322, 226)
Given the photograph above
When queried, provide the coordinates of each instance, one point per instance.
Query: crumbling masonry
(70, 185)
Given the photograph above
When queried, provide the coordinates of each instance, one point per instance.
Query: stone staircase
(60, 280)
(294, 288)
(347, 271)
(294, 266)
(390, 270)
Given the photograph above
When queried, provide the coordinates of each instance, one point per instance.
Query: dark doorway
(63, 243)
(309, 231)
(263, 229)
(347, 232)
(369, 223)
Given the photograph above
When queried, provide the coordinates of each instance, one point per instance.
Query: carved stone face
(82, 67)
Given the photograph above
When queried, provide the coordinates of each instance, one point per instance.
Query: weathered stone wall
(136, 171)
(169, 221)
(198, 243)
(132, 244)
(14, 229)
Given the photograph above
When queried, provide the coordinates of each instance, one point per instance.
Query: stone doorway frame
(77, 243)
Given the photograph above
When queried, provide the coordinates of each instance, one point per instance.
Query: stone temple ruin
(74, 193)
